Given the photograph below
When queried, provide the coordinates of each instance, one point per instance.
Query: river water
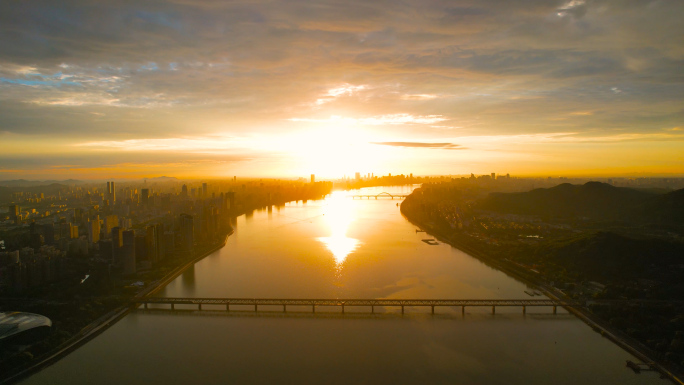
(344, 248)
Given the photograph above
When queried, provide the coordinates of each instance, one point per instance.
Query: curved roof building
(17, 326)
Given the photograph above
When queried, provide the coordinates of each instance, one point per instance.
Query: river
(344, 248)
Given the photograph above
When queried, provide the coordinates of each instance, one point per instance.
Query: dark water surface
(344, 248)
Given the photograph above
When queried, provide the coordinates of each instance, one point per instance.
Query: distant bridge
(372, 303)
(381, 195)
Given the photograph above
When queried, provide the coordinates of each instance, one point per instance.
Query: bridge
(372, 303)
(381, 195)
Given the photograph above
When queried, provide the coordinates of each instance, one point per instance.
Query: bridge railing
(372, 303)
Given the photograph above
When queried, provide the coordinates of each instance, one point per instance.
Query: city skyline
(206, 89)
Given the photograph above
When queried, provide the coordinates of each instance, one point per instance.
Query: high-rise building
(231, 200)
(110, 222)
(493, 175)
(94, 230)
(111, 193)
(204, 190)
(159, 241)
(358, 176)
(187, 231)
(313, 178)
(127, 254)
(184, 190)
(145, 196)
(151, 240)
(117, 237)
(14, 213)
(117, 246)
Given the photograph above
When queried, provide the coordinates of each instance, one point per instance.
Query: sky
(208, 88)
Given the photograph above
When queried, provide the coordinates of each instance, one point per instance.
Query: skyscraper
(204, 190)
(127, 253)
(151, 240)
(313, 178)
(187, 231)
(111, 193)
(145, 196)
(14, 213)
(184, 190)
(94, 230)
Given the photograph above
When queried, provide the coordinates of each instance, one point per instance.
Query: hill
(594, 200)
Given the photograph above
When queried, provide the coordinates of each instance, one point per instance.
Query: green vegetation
(591, 241)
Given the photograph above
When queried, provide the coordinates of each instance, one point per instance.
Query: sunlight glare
(338, 216)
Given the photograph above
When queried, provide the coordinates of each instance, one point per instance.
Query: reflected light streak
(338, 216)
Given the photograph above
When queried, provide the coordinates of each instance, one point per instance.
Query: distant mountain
(162, 178)
(30, 183)
(593, 200)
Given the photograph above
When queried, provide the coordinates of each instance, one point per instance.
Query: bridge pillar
(200, 306)
(524, 310)
(313, 308)
(145, 305)
(342, 308)
(284, 308)
(402, 309)
(172, 307)
(462, 310)
(227, 307)
(433, 309)
(372, 309)
(554, 310)
(493, 309)
(255, 308)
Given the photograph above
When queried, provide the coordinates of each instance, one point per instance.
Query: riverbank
(101, 324)
(534, 280)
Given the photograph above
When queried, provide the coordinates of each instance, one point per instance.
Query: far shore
(599, 325)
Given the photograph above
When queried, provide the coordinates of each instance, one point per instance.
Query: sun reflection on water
(339, 214)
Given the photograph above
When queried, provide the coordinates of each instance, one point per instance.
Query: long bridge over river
(368, 303)
(381, 195)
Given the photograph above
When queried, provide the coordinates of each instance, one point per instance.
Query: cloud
(392, 119)
(74, 72)
(439, 146)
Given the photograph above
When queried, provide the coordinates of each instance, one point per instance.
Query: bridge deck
(355, 302)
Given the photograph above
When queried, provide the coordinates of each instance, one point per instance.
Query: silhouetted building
(152, 244)
(145, 197)
(313, 178)
(94, 230)
(184, 190)
(127, 253)
(159, 241)
(14, 213)
(110, 222)
(111, 193)
(187, 226)
(204, 190)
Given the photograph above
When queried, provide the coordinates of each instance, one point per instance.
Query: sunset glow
(216, 89)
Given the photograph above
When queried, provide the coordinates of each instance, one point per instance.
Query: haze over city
(208, 88)
(348, 192)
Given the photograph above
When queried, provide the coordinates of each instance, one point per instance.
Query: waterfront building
(94, 230)
(151, 239)
(127, 253)
(145, 197)
(187, 231)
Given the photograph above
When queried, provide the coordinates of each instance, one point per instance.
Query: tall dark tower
(187, 224)
(145, 196)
